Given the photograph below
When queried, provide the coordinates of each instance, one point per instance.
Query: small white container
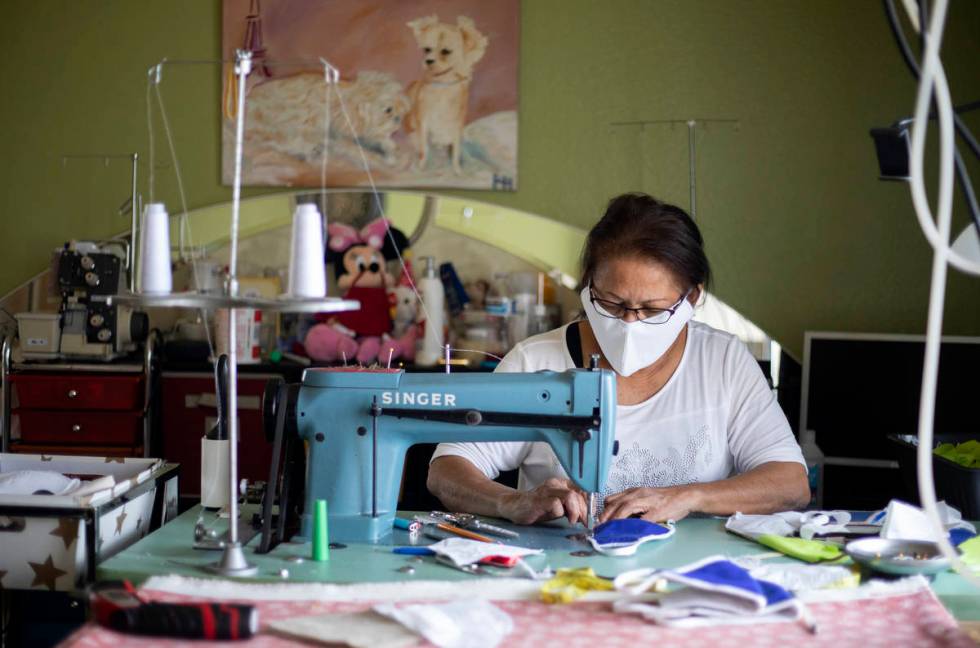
(40, 334)
(247, 327)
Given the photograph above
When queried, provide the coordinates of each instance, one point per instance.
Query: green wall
(801, 233)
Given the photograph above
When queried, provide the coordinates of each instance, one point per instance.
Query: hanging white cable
(184, 225)
(355, 136)
(937, 78)
(933, 75)
(330, 77)
(186, 233)
(151, 73)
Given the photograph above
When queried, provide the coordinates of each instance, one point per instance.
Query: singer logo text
(436, 399)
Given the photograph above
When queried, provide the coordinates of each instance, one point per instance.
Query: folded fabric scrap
(714, 591)
(776, 531)
(458, 624)
(902, 521)
(623, 537)
(367, 629)
(476, 624)
(570, 584)
(797, 577)
(462, 551)
(807, 525)
(36, 482)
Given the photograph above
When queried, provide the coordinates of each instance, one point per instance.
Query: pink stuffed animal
(360, 270)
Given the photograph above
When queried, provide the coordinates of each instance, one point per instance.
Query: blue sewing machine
(358, 424)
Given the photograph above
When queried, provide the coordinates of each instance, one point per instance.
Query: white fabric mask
(631, 346)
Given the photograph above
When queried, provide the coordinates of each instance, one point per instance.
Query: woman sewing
(699, 429)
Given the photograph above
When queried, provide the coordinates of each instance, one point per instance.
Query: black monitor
(858, 388)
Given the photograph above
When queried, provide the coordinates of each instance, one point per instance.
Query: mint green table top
(169, 551)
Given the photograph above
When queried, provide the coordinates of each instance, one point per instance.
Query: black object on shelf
(958, 485)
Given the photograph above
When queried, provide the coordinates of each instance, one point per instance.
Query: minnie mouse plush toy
(361, 274)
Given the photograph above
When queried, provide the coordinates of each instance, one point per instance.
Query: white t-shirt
(715, 417)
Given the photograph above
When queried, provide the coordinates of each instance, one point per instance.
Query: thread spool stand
(233, 561)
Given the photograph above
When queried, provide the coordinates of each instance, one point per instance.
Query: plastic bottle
(814, 458)
(434, 299)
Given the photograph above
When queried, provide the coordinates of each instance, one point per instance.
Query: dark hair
(636, 224)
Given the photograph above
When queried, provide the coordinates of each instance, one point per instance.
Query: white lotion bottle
(434, 302)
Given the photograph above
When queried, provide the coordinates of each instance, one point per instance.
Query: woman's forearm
(462, 487)
(771, 487)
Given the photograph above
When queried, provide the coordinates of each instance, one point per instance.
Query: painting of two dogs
(431, 101)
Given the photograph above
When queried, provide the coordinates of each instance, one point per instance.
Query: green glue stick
(321, 548)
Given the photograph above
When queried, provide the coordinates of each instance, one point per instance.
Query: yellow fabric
(570, 584)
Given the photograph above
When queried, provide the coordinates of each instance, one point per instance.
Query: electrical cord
(966, 183)
(907, 56)
(933, 76)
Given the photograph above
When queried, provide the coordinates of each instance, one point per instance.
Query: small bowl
(899, 557)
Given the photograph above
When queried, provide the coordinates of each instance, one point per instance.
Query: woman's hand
(553, 499)
(653, 504)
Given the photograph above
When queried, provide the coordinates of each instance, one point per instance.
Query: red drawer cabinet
(76, 391)
(77, 406)
(77, 427)
(187, 402)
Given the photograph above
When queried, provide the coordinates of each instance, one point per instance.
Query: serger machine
(86, 273)
(358, 424)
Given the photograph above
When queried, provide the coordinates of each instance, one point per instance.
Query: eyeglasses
(616, 310)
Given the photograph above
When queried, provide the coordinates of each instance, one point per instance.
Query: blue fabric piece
(724, 575)
(627, 531)
(958, 536)
(774, 593)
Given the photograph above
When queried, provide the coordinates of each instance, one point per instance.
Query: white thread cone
(307, 275)
(155, 273)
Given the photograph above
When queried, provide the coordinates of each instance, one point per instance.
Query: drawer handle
(76, 428)
(72, 393)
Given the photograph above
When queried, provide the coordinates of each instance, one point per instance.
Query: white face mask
(631, 346)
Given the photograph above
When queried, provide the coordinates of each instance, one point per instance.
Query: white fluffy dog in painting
(287, 114)
(440, 98)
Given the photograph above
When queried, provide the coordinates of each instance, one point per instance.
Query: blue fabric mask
(715, 591)
(622, 537)
(722, 575)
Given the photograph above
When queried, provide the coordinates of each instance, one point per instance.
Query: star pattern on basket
(120, 520)
(67, 530)
(46, 573)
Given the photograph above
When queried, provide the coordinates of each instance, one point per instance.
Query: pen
(462, 532)
(413, 551)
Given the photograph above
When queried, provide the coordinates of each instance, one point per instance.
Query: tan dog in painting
(439, 100)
